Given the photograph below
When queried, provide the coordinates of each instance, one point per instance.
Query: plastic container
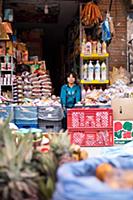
(99, 48)
(97, 71)
(50, 113)
(28, 113)
(103, 71)
(90, 71)
(26, 124)
(6, 111)
(89, 48)
(85, 71)
(50, 126)
(91, 137)
(99, 118)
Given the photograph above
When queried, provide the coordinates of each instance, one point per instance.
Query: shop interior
(47, 27)
(40, 158)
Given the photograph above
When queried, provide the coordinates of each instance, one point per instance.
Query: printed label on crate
(123, 131)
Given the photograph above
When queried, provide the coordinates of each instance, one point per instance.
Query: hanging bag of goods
(91, 14)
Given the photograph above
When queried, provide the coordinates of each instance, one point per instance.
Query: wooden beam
(1, 3)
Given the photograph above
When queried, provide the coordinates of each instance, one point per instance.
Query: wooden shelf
(94, 82)
(94, 56)
(5, 85)
(7, 70)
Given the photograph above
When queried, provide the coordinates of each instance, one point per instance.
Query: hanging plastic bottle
(90, 71)
(85, 71)
(97, 71)
(106, 34)
(103, 71)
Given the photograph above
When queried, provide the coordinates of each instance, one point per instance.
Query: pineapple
(63, 151)
(23, 174)
(16, 180)
(60, 146)
(26, 173)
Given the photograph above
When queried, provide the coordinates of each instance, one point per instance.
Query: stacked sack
(27, 87)
(46, 85)
(36, 87)
(31, 86)
(18, 89)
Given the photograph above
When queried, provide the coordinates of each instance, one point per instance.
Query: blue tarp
(28, 113)
(77, 181)
(6, 111)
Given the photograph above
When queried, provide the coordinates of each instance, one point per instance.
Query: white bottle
(85, 71)
(97, 71)
(99, 48)
(89, 48)
(90, 71)
(104, 48)
(83, 50)
(103, 71)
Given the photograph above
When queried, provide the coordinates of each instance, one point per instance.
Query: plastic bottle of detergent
(85, 71)
(90, 71)
(99, 48)
(103, 71)
(88, 48)
(83, 49)
(97, 71)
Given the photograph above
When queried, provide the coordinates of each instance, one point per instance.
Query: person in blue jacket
(70, 94)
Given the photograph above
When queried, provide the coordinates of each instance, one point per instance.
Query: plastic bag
(77, 181)
(106, 34)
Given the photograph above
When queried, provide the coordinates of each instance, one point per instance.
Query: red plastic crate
(91, 137)
(90, 118)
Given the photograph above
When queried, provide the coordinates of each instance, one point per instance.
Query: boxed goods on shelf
(123, 131)
(90, 126)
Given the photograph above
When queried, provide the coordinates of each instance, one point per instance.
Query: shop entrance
(46, 26)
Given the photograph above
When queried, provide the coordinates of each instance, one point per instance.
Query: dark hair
(73, 74)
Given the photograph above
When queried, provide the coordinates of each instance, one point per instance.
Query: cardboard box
(123, 131)
(122, 108)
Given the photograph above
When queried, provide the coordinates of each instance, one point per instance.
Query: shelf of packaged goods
(94, 56)
(3, 55)
(29, 62)
(94, 82)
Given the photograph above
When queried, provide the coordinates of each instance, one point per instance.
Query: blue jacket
(70, 95)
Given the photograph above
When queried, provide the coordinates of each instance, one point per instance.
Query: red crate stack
(90, 126)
